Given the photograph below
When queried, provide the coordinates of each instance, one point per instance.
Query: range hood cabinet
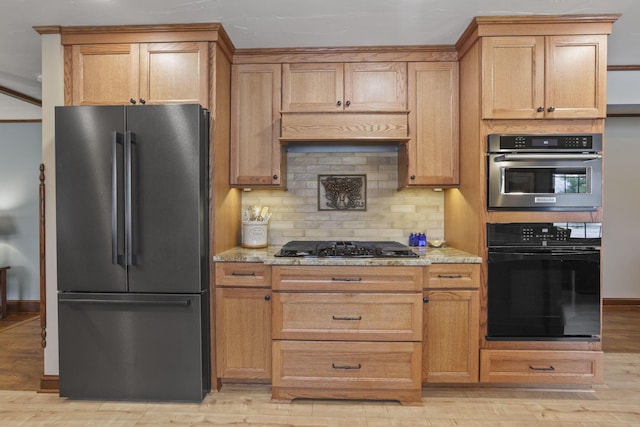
(345, 127)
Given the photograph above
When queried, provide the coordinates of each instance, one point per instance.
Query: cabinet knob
(143, 101)
(275, 176)
(551, 109)
(347, 103)
(540, 109)
(339, 103)
(425, 299)
(131, 100)
(267, 297)
(412, 177)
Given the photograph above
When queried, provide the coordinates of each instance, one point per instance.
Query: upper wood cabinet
(432, 153)
(174, 72)
(256, 153)
(152, 73)
(542, 77)
(366, 86)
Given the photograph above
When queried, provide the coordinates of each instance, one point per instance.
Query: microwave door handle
(543, 156)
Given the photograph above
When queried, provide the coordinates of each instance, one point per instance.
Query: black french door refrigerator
(132, 251)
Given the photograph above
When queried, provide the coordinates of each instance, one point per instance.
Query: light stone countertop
(427, 256)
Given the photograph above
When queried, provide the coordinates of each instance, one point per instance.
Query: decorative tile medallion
(342, 192)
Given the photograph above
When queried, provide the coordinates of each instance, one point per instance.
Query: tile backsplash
(390, 214)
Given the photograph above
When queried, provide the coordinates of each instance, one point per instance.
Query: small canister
(254, 234)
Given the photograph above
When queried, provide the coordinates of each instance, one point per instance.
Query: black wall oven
(543, 281)
(544, 172)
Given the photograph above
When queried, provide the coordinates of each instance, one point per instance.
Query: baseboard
(49, 384)
(23, 306)
(621, 301)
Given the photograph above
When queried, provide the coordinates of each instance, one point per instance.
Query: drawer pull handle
(449, 276)
(549, 368)
(334, 366)
(241, 273)
(347, 279)
(347, 318)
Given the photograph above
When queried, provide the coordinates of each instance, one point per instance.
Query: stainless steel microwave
(544, 172)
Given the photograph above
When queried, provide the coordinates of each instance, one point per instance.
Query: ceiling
(291, 23)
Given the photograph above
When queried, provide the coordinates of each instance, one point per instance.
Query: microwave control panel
(572, 143)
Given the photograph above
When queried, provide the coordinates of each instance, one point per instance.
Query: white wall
(623, 87)
(14, 109)
(621, 233)
(52, 95)
(20, 157)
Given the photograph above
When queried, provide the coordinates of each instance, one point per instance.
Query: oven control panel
(539, 234)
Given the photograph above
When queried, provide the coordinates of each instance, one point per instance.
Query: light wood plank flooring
(615, 403)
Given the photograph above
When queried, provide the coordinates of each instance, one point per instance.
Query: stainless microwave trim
(501, 160)
(542, 156)
(591, 142)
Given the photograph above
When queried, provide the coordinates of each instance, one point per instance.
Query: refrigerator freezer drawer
(134, 346)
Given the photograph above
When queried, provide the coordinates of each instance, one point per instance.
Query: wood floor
(21, 354)
(615, 403)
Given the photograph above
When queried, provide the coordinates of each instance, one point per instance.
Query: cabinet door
(174, 73)
(375, 86)
(450, 343)
(576, 76)
(433, 148)
(243, 333)
(104, 74)
(312, 87)
(256, 152)
(513, 77)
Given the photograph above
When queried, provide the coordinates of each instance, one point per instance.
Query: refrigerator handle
(116, 138)
(144, 302)
(130, 141)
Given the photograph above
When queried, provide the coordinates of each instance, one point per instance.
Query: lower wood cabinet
(347, 370)
(347, 332)
(450, 341)
(243, 321)
(451, 336)
(541, 366)
(346, 316)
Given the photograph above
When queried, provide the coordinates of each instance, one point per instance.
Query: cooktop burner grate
(345, 249)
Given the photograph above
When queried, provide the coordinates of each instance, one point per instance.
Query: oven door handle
(543, 156)
(520, 254)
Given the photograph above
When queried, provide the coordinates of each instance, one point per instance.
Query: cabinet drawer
(346, 365)
(347, 278)
(345, 316)
(453, 276)
(540, 366)
(250, 274)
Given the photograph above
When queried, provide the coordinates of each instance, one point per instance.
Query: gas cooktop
(345, 249)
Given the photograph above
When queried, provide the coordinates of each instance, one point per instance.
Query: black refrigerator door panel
(89, 195)
(147, 347)
(169, 200)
